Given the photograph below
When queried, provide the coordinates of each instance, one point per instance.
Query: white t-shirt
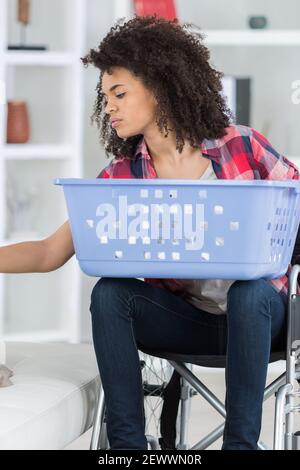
(209, 295)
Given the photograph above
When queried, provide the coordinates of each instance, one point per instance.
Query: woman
(162, 116)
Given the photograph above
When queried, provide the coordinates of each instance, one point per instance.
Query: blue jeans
(127, 313)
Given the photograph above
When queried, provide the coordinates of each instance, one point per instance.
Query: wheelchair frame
(285, 437)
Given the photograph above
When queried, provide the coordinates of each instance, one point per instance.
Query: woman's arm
(59, 248)
(38, 256)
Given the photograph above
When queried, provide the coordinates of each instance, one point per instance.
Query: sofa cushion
(53, 396)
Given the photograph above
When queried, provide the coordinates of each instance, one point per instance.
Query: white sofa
(53, 396)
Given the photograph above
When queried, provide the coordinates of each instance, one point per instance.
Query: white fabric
(209, 295)
(53, 397)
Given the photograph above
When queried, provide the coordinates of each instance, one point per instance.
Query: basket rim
(176, 182)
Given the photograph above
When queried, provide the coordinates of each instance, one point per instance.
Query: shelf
(39, 58)
(251, 37)
(36, 151)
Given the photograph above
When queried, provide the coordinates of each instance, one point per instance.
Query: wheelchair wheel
(156, 373)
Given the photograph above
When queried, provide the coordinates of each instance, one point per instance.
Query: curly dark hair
(171, 62)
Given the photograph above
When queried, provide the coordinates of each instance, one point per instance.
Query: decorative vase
(17, 122)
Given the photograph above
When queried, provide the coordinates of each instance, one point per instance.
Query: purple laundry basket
(193, 229)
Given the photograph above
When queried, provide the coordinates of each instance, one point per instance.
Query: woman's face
(131, 102)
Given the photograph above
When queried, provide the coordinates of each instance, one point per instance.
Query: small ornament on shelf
(18, 127)
(258, 22)
(24, 18)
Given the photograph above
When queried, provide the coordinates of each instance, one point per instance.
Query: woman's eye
(120, 96)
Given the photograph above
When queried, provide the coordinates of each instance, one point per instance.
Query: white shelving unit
(241, 37)
(27, 151)
(42, 307)
(54, 59)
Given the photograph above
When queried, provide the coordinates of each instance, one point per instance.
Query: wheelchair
(168, 381)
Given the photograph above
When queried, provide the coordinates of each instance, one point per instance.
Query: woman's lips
(116, 123)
